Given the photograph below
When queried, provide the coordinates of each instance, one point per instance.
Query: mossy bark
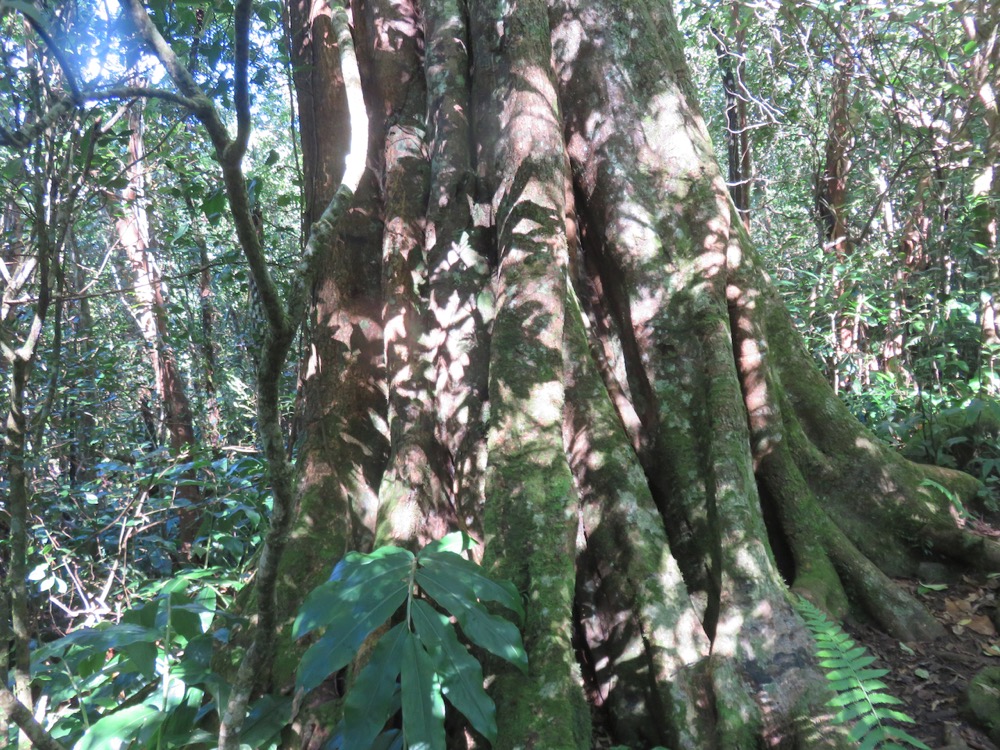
(540, 323)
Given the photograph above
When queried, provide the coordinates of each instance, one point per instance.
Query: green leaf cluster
(861, 696)
(147, 681)
(420, 661)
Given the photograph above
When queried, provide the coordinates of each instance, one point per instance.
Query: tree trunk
(542, 321)
(20, 354)
(983, 27)
(134, 234)
(732, 64)
(831, 205)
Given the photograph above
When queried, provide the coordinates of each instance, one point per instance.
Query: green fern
(861, 696)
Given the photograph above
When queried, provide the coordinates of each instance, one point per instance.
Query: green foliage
(898, 311)
(420, 661)
(147, 681)
(964, 436)
(861, 696)
(114, 534)
(954, 436)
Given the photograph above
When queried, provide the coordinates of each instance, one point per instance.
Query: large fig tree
(541, 321)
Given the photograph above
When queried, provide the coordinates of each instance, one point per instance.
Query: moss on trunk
(541, 324)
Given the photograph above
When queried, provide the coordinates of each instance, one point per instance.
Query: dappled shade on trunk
(542, 322)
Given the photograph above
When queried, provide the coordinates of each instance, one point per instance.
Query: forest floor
(932, 677)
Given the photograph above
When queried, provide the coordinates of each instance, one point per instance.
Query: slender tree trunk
(915, 258)
(208, 319)
(135, 236)
(17, 506)
(54, 190)
(82, 421)
(831, 204)
(20, 360)
(732, 63)
(983, 27)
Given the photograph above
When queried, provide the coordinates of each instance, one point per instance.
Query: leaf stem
(411, 585)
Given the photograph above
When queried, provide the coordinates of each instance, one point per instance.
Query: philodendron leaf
(461, 674)
(423, 706)
(357, 583)
(369, 703)
(495, 634)
(450, 568)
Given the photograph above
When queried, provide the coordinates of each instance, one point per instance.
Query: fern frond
(860, 694)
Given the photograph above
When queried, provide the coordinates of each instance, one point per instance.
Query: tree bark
(135, 236)
(983, 26)
(831, 206)
(542, 321)
(20, 354)
(732, 64)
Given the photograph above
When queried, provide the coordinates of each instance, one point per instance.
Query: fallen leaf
(981, 624)
(923, 674)
(923, 588)
(957, 607)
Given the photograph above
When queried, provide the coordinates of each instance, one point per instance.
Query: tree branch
(21, 139)
(229, 153)
(201, 105)
(242, 93)
(57, 53)
(138, 92)
(283, 321)
(18, 713)
(276, 349)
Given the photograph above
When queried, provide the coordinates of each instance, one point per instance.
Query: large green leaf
(369, 703)
(495, 634)
(390, 740)
(95, 640)
(449, 568)
(357, 582)
(121, 728)
(348, 630)
(461, 674)
(423, 706)
(186, 616)
(142, 656)
(266, 719)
